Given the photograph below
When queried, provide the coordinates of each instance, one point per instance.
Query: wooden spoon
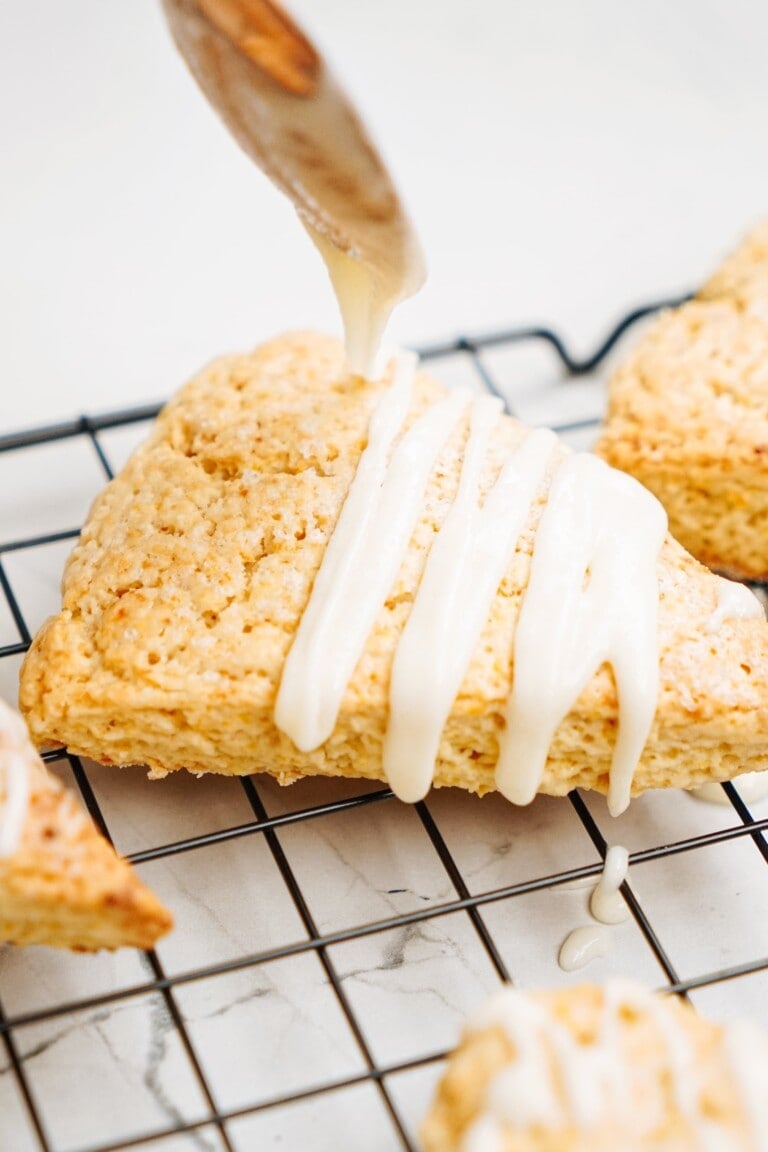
(277, 96)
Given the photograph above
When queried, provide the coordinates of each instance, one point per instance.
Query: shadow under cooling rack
(330, 940)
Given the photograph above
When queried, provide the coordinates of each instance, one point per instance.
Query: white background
(562, 160)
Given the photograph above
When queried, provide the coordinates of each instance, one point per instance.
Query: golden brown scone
(63, 885)
(599, 1069)
(182, 597)
(688, 415)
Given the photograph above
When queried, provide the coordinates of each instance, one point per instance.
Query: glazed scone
(62, 884)
(688, 415)
(598, 1069)
(183, 596)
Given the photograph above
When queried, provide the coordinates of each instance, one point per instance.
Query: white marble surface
(275, 1029)
(270, 1030)
(562, 162)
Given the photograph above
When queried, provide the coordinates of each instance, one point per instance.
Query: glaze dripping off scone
(183, 599)
(61, 883)
(597, 1069)
(688, 415)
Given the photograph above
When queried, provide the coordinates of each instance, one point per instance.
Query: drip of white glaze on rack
(592, 599)
(577, 885)
(583, 945)
(14, 780)
(606, 903)
(466, 564)
(557, 1082)
(734, 602)
(376, 521)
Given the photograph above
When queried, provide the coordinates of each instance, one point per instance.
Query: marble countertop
(563, 162)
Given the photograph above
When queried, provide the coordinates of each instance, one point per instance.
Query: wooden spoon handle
(267, 35)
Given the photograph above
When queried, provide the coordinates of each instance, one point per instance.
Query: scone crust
(182, 597)
(743, 275)
(462, 1092)
(688, 415)
(64, 885)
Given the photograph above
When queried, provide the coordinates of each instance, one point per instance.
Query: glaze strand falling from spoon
(278, 98)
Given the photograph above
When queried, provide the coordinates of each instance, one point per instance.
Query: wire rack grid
(329, 939)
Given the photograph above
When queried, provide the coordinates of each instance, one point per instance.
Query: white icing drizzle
(592, 596)
(621, 994)
(525, 1091)
(557, 1081)
(465, 566)
(14, 810)
(751, 786)
(483, 1135)
(362, 558)
(592, 599)
(606, 903)
(14, 770)
(734, 602)
(582, 946)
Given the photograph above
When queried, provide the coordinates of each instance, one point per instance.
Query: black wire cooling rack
(56, 1042)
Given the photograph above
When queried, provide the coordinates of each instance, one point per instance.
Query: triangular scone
(182, 598)
(600, 1069)
(62, 884)
(688, 415)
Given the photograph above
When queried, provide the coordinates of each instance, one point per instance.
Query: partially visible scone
(600, 1069)
(184, 593)
(743, 276)
(688, 415)
(62, 884)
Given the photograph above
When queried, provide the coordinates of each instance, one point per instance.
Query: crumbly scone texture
(743, 275)
(688, 415)
(648, 1119)
(64, 885)
(182, 597)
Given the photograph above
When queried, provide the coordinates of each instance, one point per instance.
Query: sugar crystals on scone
(688, 415)
(61, 883)
(598, 1068)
